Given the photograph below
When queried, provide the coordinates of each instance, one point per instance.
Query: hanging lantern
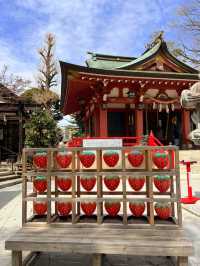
(154, 105)
(167, 108)
(105, 96)
(173, 107)
(160, 107)
(141, 98)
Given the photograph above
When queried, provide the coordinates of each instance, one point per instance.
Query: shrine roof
(78, 81)
(158, 46)
(7, 95)
(103, 61)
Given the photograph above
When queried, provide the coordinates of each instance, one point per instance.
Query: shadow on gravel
(6, 196)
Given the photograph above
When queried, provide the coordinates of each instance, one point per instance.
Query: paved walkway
(10, 221)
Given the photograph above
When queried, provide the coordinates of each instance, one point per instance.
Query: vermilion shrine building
(126, 96)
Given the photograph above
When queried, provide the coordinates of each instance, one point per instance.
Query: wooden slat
(16, 258)
(150, 205)
(49, 154)
(24, 188)
(97, 260)
(99, 188)
(182, 261)
(56, 195)
(73, 187)
(30, 234)
(87, 229)
(124, 200)
(101, 245)
(141, 225)
(95, 236)
(178, 189)
(171, 147)
(114, 172)
(59, 240)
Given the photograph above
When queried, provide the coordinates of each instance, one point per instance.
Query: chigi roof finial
(158, 38)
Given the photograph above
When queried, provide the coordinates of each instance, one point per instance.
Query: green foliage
(28, 95)
(44, 98)
(55, 109)
(42, 130)
(76, 120)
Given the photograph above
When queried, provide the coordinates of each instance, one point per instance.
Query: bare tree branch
(190, 25)
(48, 71)
(15, 83)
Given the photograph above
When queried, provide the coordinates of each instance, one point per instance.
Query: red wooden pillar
(85, 126)
(96, 122)
(139, 123)
(103, 123)
(185, 125)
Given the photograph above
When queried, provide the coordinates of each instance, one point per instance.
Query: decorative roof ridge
(154, 48)
(147, 54)
(107, 56)
(157, 40)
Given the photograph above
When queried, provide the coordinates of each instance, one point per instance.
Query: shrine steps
(8, 178)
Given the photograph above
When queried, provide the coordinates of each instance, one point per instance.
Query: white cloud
(116, 27)
(15, 65)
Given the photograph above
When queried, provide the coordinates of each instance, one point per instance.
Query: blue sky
(120, 27)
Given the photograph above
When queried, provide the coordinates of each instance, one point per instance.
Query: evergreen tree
(42, 130)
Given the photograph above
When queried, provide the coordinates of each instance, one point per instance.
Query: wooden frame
(76, 195)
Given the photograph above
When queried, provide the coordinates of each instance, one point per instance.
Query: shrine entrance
(120, 124)
(166, 127)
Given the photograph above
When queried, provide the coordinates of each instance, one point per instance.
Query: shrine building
(14, 111)
(118, 96)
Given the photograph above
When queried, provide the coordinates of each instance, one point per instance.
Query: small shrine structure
(14, 111)
(119, 96)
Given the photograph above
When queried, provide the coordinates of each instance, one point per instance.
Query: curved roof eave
(144, 57)
(149, 54)
(66, 67)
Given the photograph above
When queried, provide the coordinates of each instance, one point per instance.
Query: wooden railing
(76, 195)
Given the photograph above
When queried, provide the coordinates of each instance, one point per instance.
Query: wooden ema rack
(149, 195)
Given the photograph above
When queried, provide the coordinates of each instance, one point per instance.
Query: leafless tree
(190, 25)
(175, 49)
(48, 70)
(13, 82)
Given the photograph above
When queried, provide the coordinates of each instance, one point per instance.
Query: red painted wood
(185, 125)
(103, 123)
(139, 122)
(96, 123)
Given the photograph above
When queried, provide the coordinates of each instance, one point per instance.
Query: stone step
(9, 177)
(4, 169)
(5, 173)
(11, 182)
